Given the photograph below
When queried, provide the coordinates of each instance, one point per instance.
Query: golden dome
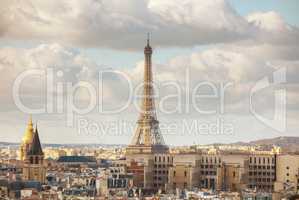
(28, 133)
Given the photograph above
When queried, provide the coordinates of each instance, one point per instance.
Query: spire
(29, 132)
(30, 120)
(148, 49)
(35, 147)
(148, 131)
(148, 39)
(148, 107)
(36, 127)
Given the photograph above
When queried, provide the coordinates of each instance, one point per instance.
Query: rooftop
(76, 159)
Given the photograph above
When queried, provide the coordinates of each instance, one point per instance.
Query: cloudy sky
(224, 71)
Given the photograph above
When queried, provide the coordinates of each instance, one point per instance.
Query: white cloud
(270, 21)
(251, 47)
(115, 24)
(241, 64)
(123, 25)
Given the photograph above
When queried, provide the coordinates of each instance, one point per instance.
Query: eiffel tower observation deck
(147, 138)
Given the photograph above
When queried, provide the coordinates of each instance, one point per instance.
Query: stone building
(262, 171)
(184, 172)
(32, 155)
(287, 175)
(230, 171)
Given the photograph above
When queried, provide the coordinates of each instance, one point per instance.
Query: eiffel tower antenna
(148, 39)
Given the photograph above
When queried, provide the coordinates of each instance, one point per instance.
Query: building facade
(231, 171)
(287, 175)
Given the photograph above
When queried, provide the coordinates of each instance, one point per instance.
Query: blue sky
(288, 9)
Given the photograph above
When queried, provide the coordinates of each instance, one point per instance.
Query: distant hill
(8, 144)
(287, 143)
(14, 145)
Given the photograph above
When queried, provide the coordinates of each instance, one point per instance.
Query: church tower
(32, 155)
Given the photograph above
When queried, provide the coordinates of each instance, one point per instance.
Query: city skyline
(149, 99)
(239, 45)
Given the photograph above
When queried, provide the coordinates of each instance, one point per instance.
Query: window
(36, 160)
(174, 173)
(185, 173)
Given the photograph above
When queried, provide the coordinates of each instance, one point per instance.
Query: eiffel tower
(148, 138)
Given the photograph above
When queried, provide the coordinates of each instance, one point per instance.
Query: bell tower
(32, 155)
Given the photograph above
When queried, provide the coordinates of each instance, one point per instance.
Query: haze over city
(149, 100)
